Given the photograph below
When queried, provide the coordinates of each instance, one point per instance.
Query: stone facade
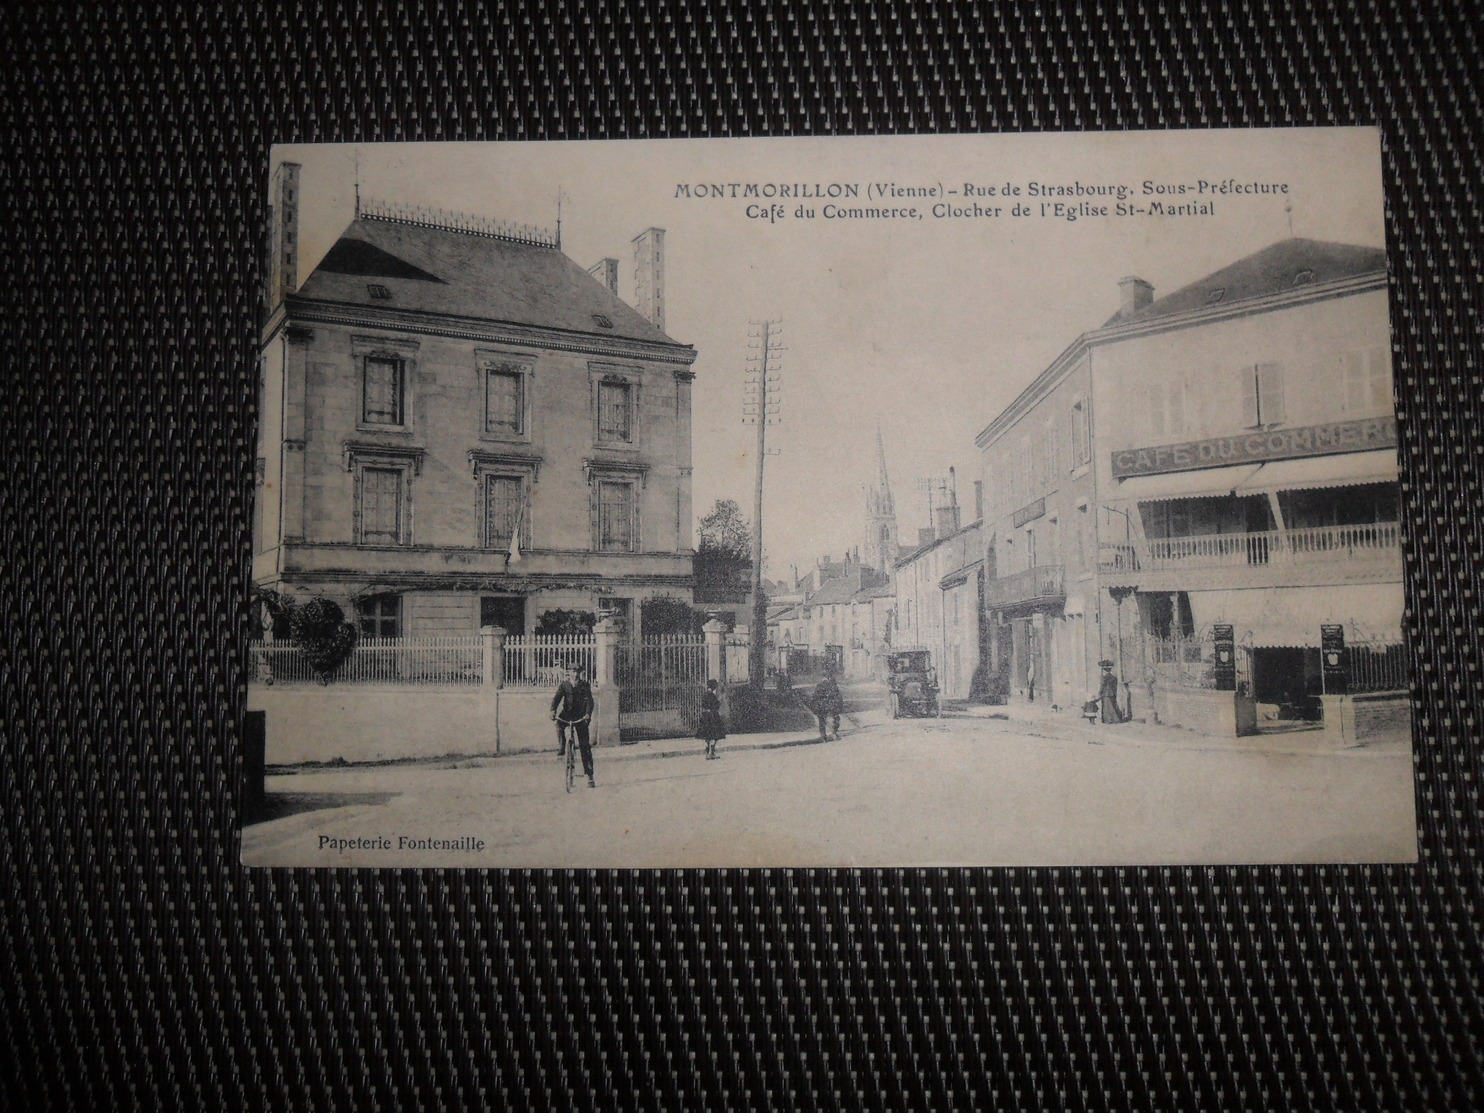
(1223, 455)
(400, 445)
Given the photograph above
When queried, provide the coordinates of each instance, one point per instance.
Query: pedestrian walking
(1108, 693)
(828, 705)
(572, 709)
(709, 727)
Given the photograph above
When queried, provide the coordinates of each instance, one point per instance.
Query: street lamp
(1120, 594)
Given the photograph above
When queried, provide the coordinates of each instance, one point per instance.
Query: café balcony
(1038, 585)
(1339, 554)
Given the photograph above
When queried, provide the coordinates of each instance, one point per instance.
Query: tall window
(381, 505)
(1262, 395)
(380, 615)
(1052, 455)
(1080, 434)
(615, 411)
(504, 508)
(1166, 407)
(383, 391)
(616, 513)
(1367, 381)
(504, 399)
(1030, 547)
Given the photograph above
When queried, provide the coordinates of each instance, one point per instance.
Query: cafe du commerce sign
(1258, 446)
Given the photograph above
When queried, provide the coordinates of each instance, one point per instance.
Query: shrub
(319, 629)
(566, 622)
(669, 616)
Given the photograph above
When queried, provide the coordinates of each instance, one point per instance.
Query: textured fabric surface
(143, 968)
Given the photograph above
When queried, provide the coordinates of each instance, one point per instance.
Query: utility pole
(760, 407)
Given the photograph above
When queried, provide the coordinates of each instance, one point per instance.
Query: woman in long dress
(709, 727)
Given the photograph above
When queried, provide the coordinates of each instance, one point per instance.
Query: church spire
(881, 516)
(881, 502)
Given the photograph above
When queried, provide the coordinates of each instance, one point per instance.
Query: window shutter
(1175, 420)
(615, 412)
(1270, 393)
(504, 507)
(1249, 396)
(382, 393)
(504, 408)
(1380, 379)
(381, 506)
(1154, 407)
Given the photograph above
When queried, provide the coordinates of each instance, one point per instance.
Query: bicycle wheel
(571, 759)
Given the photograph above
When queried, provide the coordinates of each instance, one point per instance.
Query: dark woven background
(143, 968)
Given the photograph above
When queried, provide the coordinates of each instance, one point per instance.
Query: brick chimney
(605, 271)
(649, 276)
(282, 276)
(1134, 294)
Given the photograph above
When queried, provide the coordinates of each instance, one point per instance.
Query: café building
(1238, 477)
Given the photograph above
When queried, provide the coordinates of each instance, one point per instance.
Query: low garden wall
(367, 724)
(1383, 717)
(1216, 713)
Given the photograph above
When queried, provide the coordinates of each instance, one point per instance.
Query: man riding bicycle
(572, 707)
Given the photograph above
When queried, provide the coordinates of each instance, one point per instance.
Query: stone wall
(1212, 712)
(1382, 717)
(367, 724)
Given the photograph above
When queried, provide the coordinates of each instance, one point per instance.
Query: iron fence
(1377, 667)
(1189, 661)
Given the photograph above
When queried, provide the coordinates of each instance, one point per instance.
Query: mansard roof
(445, 271)
(1280, 267)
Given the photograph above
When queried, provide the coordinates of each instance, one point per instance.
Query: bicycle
(569, 742)
(569, 748)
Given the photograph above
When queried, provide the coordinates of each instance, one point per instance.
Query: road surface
(955, 791)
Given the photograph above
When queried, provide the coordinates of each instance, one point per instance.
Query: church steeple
(881, 517)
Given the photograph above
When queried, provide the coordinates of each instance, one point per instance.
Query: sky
(926, 327)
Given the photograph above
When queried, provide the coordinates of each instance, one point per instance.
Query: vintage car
(913, 682)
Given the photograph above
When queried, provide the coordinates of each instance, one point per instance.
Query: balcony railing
(1038, 583)
(1254, 548)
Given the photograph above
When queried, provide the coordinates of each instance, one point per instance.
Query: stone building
(1219, 459)
(460, 426)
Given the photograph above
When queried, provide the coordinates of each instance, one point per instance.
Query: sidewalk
(1069, 725)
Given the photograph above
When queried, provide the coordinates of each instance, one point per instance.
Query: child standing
(709, 727)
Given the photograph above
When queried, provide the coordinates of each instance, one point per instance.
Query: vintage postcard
(876, 501)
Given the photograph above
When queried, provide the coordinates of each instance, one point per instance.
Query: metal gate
(660, 683)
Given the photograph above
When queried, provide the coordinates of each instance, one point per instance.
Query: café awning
(1219, 481)
(1290, 616)
(1329, 471)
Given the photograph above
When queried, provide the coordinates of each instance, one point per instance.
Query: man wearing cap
(1108, 693)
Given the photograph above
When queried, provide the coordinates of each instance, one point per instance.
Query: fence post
(715, 631)
(494, 655)
(605, 641)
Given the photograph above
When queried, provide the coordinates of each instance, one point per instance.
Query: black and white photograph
(860, 501)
